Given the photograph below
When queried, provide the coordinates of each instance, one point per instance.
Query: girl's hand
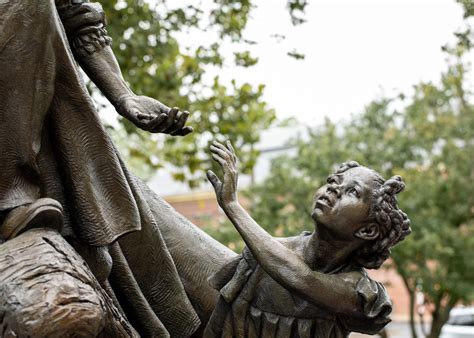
(226, 191)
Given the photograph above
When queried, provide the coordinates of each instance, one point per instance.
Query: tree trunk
(47, 290)
(412, 314)
(411, 293)
(440, 317)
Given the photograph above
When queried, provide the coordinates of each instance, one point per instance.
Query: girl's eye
(353, 191)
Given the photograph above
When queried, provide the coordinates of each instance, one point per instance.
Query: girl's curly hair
(393, 223)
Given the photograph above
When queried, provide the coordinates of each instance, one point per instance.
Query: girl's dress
(252, 304)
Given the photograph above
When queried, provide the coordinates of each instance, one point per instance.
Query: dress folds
(53, 144)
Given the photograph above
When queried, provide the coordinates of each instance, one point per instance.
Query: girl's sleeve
(84, 23)
(376, 308)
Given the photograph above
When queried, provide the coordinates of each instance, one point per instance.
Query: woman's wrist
(120, 99)
(120, 102)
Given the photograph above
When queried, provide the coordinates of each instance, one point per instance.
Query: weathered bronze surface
(87, 249)
(53, 145)
(312, 285)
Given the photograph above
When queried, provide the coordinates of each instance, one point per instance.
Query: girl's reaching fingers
(232, 151)
(219, 159)
(213, 179)
(219, 151)
(223, 148)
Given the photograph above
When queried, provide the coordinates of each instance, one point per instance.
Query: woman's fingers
(181, 118)
(183, 132)
(154, 125)
(142, 116)
(170, 120)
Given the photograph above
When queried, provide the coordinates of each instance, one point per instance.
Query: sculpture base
(47, 289)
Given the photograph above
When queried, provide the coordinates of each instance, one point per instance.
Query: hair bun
(393, 223)
(394, 185)
(347, 165)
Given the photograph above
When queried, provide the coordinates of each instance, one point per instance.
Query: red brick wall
(197, 211)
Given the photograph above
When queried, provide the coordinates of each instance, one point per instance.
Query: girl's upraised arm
(282, 264)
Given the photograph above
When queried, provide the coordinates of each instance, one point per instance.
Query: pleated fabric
(53, 144)
(252, 304)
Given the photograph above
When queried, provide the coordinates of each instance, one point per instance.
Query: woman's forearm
(84, 24)
(102, 68)
(287, 268)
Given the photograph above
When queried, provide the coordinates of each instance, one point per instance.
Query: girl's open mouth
(324, 201)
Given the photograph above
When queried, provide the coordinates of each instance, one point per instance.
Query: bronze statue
(116, 260)
(59, 168)
(312, 285)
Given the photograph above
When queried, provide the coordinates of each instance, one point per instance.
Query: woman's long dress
(52, 144)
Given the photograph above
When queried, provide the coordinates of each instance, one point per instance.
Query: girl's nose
(334, 189)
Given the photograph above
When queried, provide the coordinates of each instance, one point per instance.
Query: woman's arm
(102, 68)
(147, 113)
(84, 23)
(282, 264)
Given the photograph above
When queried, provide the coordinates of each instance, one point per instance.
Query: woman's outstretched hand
(153, 116)
(226, 191)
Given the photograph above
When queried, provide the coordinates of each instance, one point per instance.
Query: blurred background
(300, 86)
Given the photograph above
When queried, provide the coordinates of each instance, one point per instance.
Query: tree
(156, 62)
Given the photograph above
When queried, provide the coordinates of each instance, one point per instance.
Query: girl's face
(342, 206)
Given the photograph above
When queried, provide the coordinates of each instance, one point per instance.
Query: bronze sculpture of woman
(59, 168)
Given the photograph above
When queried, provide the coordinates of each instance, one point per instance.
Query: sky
(355, 51)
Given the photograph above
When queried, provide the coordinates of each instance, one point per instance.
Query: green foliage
(155, 63)
(244, 59)
(297, 9)
(296, 55)
(468, 7)
(231, 16)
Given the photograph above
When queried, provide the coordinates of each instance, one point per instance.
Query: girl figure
(314, 284)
